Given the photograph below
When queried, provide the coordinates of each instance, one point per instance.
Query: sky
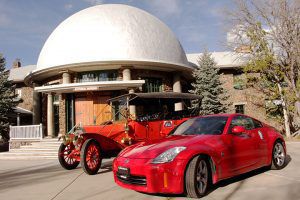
(25, 25)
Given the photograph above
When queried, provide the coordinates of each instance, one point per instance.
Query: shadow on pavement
(242, 178)
(30, 175)
(107, 166)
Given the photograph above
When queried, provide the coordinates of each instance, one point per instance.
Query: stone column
(177, 88)
(18, 119)
(127, 77)
(50, 116)
(126, 74)
(66, 78)
(36, 107)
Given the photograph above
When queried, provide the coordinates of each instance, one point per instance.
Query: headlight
(168, 155)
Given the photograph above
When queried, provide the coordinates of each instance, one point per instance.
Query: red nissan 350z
(200, 152)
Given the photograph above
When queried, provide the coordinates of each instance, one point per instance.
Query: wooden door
(102, 111)
(92, 110)
(84, 111)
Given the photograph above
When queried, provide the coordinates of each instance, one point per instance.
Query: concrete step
(33, 150)
(39, 147)
(27, 155)
(24, 157)
(37, 150)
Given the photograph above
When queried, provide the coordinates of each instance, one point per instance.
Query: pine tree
(7, 102)
(207, 83)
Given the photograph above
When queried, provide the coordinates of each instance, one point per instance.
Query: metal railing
(30, 132)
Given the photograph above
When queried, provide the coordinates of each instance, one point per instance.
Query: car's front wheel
(64, 156)
(197, 177)
(278, 156)
(90, 156)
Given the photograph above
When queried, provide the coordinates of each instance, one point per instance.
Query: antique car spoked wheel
(65, 160)
(90, 156)
(278, 158)
(197, 178)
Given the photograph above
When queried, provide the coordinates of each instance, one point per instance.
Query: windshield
(213, 125)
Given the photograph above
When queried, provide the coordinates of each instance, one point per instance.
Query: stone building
(243, 99)
(109, 50)
(23, 112)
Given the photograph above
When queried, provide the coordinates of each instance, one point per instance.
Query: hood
(152, 149)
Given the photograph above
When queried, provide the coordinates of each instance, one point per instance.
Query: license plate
(124, 172)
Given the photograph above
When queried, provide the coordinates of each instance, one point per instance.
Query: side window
(242, 121)
(257, 124)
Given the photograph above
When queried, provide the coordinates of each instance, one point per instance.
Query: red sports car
(198, 153)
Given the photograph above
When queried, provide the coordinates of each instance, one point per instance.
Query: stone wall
(26, 96)
(253, 100)
(62, 114)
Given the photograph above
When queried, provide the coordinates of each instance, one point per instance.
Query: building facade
(99, 53)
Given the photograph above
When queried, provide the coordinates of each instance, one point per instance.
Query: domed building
(102, 52)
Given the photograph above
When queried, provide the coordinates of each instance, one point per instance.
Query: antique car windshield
(213, 125)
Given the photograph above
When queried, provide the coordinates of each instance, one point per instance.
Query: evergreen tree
(7, 102)
(207, 83)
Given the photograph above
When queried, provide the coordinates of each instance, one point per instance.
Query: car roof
(226, 115)
(163, 96)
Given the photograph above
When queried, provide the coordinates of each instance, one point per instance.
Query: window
(18, 92)
(240, 108)
(152, 85)
(257, 124)
(56, 99)
(109, 75)
(239, 81)
(242, 121)
(213, 125)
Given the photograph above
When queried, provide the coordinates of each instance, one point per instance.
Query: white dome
(108, 33)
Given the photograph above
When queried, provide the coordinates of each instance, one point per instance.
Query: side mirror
(238, 130)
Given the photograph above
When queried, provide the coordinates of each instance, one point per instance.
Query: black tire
(65, 161)
(278, 156)
(90, 156)
(194, 187)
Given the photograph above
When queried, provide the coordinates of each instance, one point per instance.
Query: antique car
(198, 153)
(155, 118)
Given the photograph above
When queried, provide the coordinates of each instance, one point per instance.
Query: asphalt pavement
(46, 179)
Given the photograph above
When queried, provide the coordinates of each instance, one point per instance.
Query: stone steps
(36, 150)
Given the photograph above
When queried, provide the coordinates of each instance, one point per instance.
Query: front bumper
(151, 178)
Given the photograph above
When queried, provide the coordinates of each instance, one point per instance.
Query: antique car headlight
(168, 155)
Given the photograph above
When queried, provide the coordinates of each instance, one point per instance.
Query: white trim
(240, 103)
(23, 109)
(89, 86)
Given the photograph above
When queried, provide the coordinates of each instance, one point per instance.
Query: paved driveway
(47, 180)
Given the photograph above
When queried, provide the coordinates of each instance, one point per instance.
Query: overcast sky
(26, 24)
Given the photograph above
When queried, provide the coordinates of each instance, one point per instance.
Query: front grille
(134, 180)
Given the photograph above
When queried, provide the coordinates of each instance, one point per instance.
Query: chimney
(16, 63)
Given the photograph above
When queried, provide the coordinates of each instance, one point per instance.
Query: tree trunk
(285, 113)
(297, 105)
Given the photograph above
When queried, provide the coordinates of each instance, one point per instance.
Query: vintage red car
(156, 117)
(198, 153)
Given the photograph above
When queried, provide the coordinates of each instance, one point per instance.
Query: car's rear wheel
(278, 156)
(197, 177)
(90, 156)
(64, 157)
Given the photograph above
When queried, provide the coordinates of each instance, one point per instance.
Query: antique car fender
(108, 146)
